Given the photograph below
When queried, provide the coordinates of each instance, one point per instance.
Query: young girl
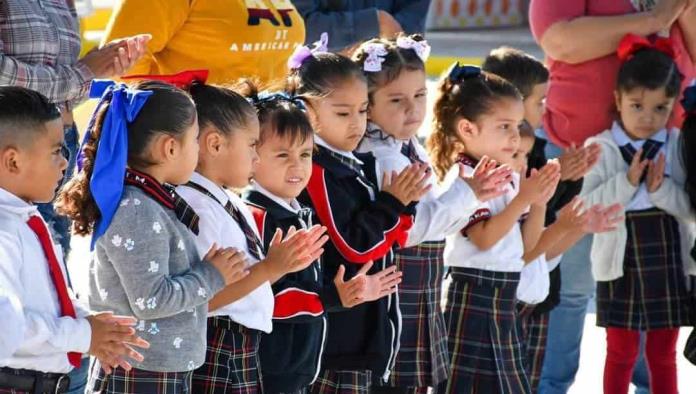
(363, 222)
(145, 263)
(476, 115)
(228, 136)
(397, 93)
(640, 268)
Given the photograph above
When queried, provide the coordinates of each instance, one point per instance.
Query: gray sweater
(146, 265)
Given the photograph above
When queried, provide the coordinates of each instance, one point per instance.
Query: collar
(467, 160)
(293, 207)
(622, 139)
(16, 205)
(219, 193)
(319, 141)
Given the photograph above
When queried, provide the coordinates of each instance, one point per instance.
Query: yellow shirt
(231, 38)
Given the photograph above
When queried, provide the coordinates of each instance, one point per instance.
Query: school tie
(253, 242)
(409, 150)
(305, 216)
(37, 225)
(650, 150)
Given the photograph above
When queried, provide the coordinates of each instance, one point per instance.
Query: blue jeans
(78, 378)
(567, 320)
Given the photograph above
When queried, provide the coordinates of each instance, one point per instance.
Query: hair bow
(301, 53)
(269, 96)
(106, 183)
(421, 48)
(375, 57)
(631, 43)
(689, 100)
(182, 80)
(458, 73)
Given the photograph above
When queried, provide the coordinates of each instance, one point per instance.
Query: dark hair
(650, 69)
(395, 61)
(23, 111)
(320, 74)
(168, 110)
(521, 69)
(469, 98)
(221, 107)
(279, 114)
(688, 147)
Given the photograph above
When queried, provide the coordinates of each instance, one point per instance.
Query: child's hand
(656, 173)
(380, 284)
(636, 169)
(488, 180)
(231, 263)
(571, 216)
(577, 162)
(601, 220)
(351, 292)
(540, 184)
(113, 339)
(296, 252)
(409, 185)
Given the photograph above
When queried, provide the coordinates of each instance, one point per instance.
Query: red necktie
(38, 226)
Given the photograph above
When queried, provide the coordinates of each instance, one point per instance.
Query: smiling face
(399, 107)
(644, 112)
(340, 118)
(285, 165)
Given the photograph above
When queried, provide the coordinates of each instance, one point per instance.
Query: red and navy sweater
(364, 224)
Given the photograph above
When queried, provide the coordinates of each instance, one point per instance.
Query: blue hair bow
(459, 73)
(106, 183)
(689, 100)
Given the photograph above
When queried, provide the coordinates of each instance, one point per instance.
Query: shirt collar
(293, 207)
(319, 141)
(621, 138)
(219, 193)
(16, 205)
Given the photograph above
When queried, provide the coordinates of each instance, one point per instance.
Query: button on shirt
(255, 310)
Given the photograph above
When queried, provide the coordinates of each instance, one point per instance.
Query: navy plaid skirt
(485, 349)
(137, 381)
(342, 382)
(534, 329)
(422, 359)
(231, 360)
(652, 293)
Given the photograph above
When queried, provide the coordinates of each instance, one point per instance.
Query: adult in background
(230, 38)
(580, 38)
(350, 22)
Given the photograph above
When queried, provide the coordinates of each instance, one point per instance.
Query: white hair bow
(421, 48)
(375, 57)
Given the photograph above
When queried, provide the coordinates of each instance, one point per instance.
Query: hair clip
(458, 73)
(301, 53)
(421, 48)
(375, 56)
(182, 80)
(631, 43)
(269, 96)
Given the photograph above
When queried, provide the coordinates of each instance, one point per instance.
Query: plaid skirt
(485, 350)
(652, 292)
(422, 358)
(231, 360)
(534, 329)
(342, 382)
(137, 381)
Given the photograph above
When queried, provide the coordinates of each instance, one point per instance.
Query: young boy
(46, 332)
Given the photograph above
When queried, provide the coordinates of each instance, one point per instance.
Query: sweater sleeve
(154, 293)
(671, 196)
(345, 27)
(606, 185)
(160, 18)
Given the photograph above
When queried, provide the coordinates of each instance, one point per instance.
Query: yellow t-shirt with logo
(231, 38)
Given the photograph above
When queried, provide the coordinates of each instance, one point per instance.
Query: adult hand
(666, 12)
(116, 57)
(388, 26)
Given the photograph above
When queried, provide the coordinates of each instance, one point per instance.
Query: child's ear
(9, 160)
(170, 147)
(212, 142)
(617, 100)
(466, 130)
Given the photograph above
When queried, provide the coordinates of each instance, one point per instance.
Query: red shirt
(580, 101)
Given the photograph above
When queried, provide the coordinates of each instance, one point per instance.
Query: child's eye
(306, 155)
(282, 155)
(396, 100)
(363, 111)
(661, 108)
(420, 95)
(342, 114)
(636, 106)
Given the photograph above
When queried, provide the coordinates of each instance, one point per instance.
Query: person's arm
(160, 18)
(687, 22)
(566, 33)
(345, 28)
(411, 15)
(533, 226)
(485, 233)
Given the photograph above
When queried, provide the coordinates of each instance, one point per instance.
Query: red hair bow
(632, 43)
(182, 80)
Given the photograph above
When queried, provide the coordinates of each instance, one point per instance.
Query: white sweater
(607, 184)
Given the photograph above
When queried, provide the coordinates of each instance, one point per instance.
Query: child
(364, 222)
(477, 114)
(45, 331)
(239, 314)
(640, 268)
(291, 355)
(145, 262)
(397, 93)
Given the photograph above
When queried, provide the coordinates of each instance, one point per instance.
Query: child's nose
(63, 164)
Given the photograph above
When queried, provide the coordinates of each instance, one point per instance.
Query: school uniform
(291, 355)
(363, 224)
(234, 331)
(485, 349)
(44, 330)
(422, 360)
(146, 265)
(642, 268)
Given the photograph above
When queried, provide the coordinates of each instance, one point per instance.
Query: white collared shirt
(319, 141)
(641, 200)
(33, 335)
(255, 310)
(293, 206)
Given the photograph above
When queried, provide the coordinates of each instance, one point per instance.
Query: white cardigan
(607, 184)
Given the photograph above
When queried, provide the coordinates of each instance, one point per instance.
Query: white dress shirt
(33, 335)
(255, 310)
